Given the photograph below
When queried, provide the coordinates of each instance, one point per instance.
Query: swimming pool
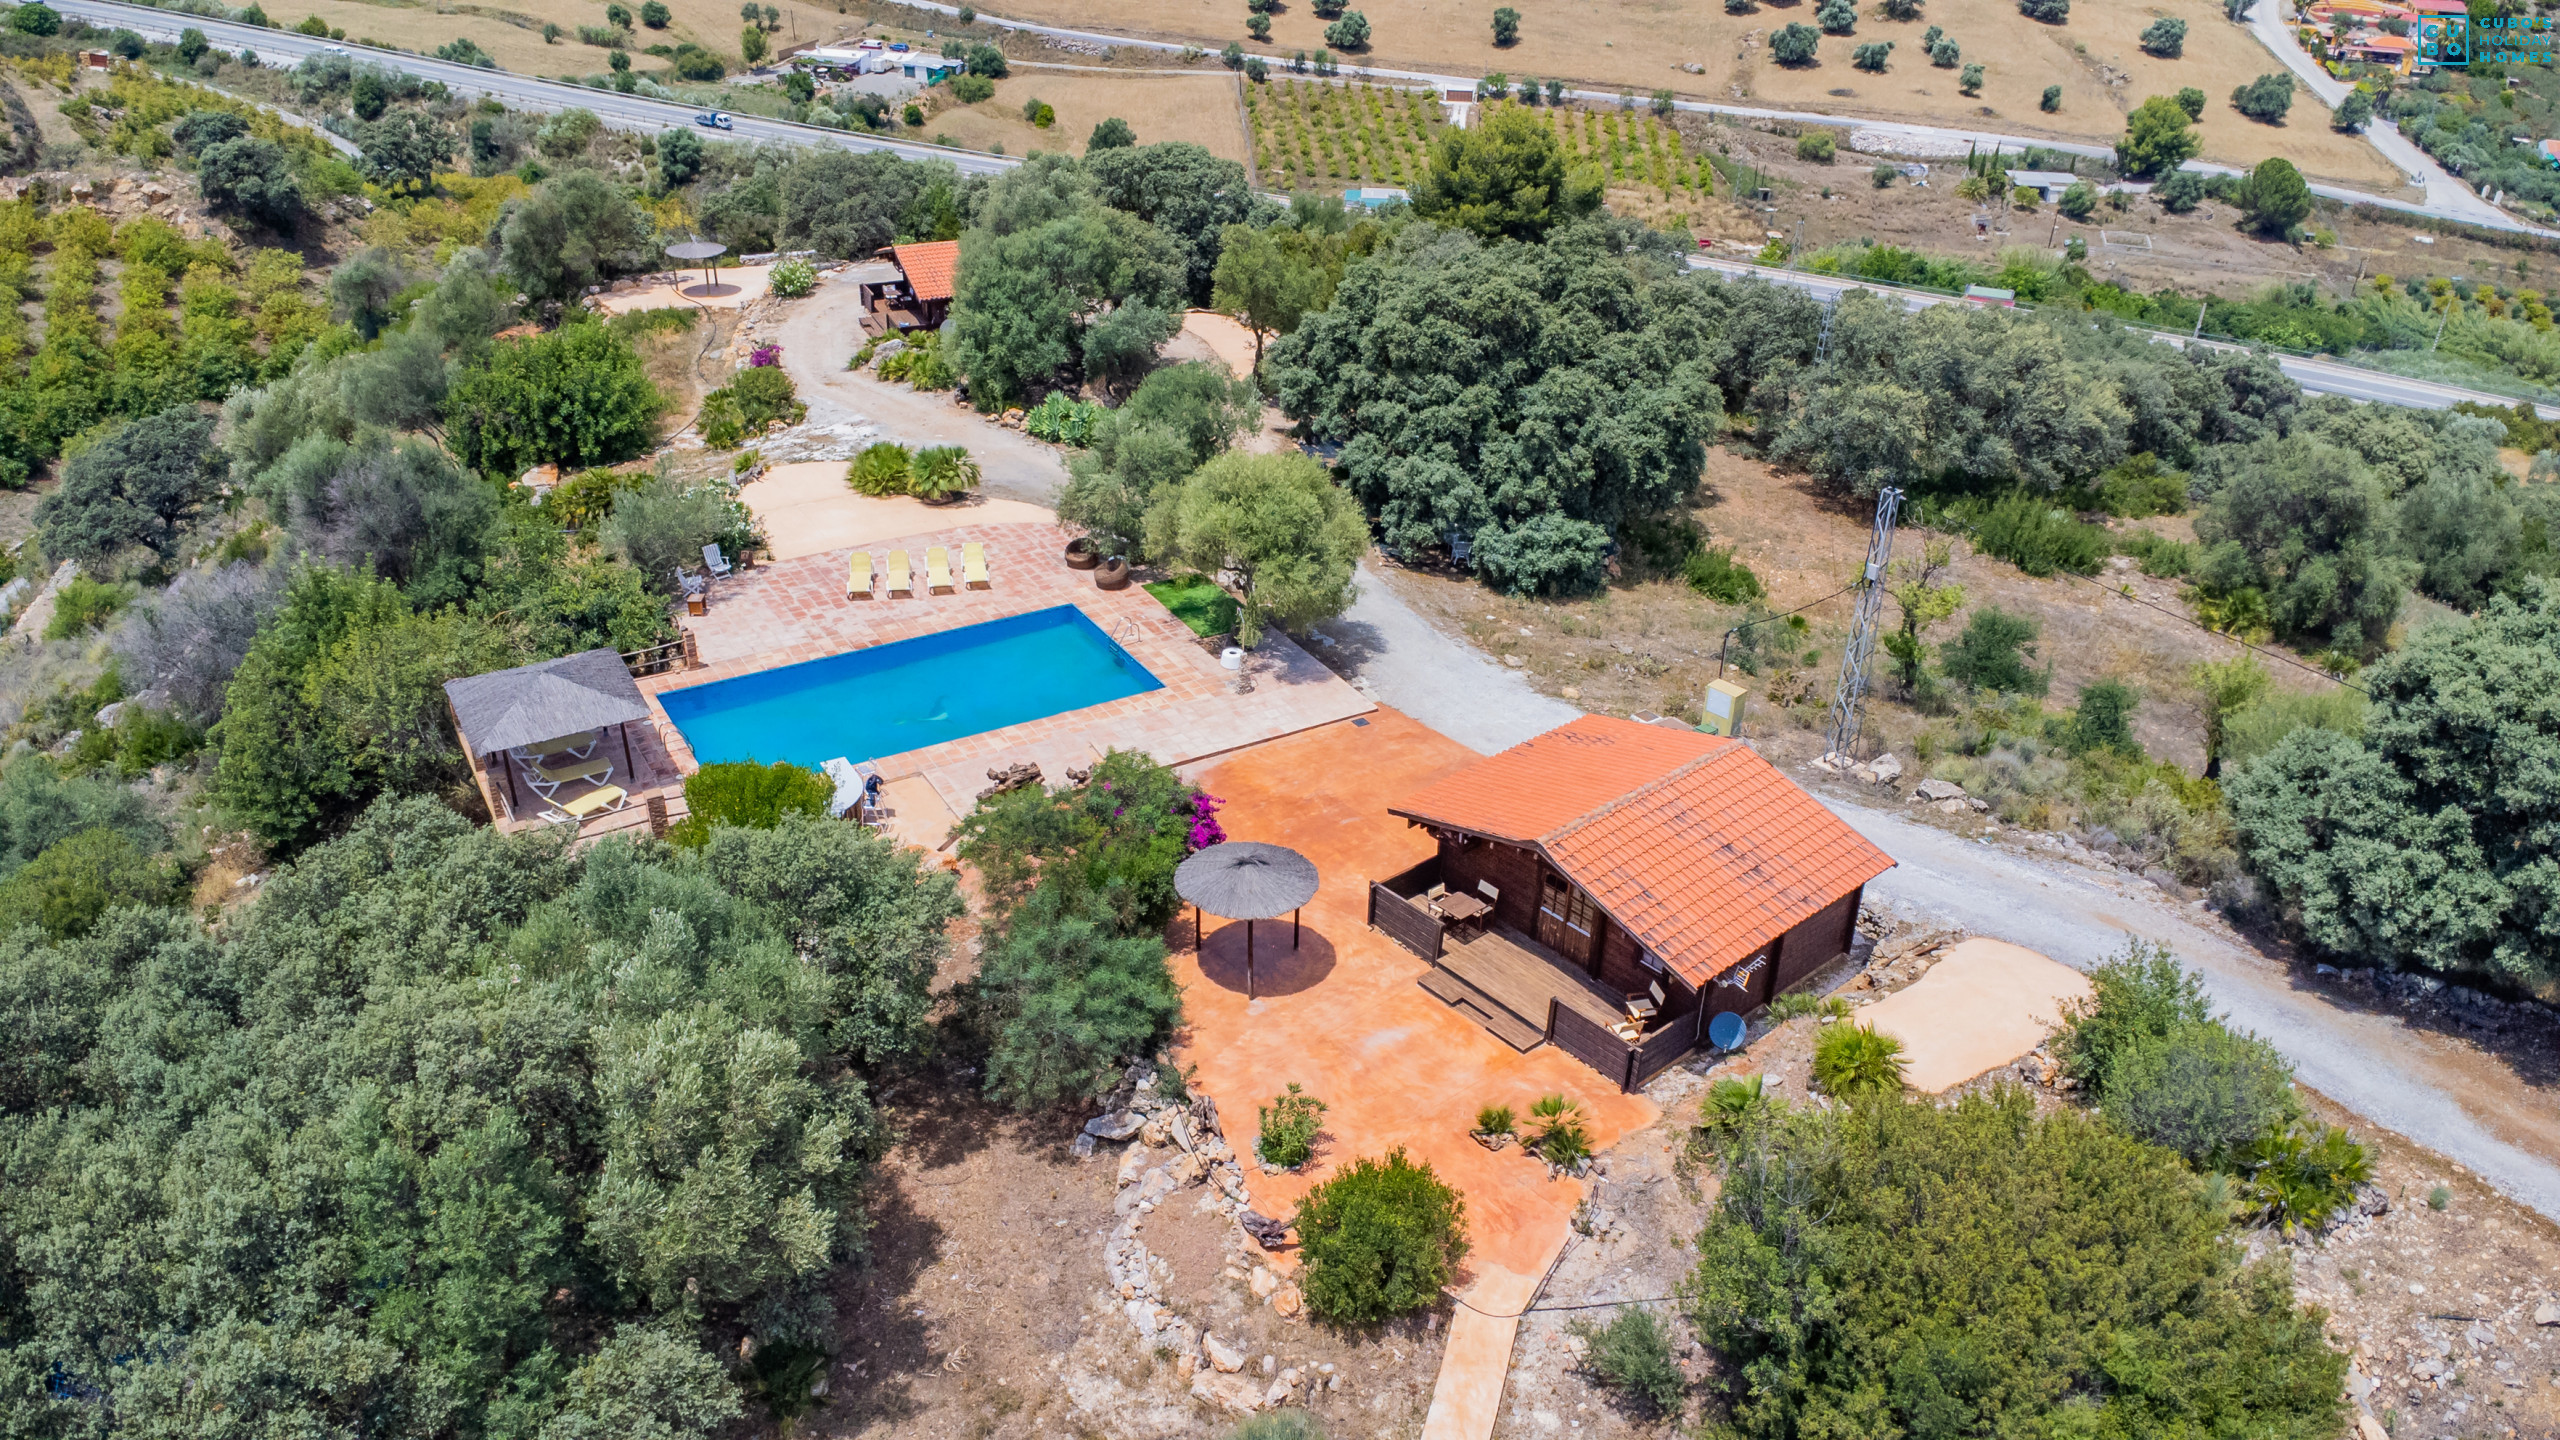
(901, 696)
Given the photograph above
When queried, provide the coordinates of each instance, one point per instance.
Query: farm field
(1643, 45)
(1198, 108)
(513, 38)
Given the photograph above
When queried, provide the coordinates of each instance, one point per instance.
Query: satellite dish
(1725, 1031)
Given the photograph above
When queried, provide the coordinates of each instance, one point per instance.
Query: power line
(1587, 1305)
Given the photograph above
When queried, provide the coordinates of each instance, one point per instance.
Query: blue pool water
(910, 693)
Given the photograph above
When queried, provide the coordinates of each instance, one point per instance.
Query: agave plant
(942, 472)
(1853, 1060)
(880, 469)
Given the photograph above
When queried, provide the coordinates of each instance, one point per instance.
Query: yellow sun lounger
(973, 565)
(857, 576)
(602, 799)
(581, 745)
(902, 578)
(937, 569)
(548, 778)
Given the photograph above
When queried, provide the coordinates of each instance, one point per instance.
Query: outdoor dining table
(1464, 912)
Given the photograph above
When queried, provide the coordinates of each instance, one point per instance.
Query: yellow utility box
(1724, 709)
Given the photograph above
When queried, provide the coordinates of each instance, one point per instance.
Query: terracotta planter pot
(1111, 574)
(1081, 555)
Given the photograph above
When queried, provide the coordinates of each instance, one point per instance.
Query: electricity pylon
(1848, 702)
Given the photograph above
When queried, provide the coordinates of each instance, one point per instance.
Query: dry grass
(1644, 44)
(1203, 109)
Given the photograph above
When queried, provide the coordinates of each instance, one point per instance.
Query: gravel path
(2437, 1091)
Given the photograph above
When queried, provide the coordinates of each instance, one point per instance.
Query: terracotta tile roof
(1694, 844)
(929, 267)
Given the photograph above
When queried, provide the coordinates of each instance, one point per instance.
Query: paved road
(2421, 1085)
(2446, 195)
(525, 92)
(2320, 377)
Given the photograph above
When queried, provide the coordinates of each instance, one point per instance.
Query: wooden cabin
(1610, 886)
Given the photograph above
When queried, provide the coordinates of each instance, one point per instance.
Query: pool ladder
(1127, 630)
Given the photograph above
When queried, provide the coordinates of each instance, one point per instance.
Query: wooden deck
(1508, 1028)
(1521, 975)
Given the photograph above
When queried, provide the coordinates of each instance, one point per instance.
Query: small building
(1610, 886)
(2397, 53)
(927, 69)
(1372, 197)
(908, 287)
(2048, 183)
(831, 60)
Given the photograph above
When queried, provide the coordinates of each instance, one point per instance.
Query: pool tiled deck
(796, 610)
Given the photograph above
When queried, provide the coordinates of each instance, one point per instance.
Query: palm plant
(942, 472)
(1854, 1060)
(1494, 1120)
(880, 469)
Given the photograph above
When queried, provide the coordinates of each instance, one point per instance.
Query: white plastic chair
(712, 562)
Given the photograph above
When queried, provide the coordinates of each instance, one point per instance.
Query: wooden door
(1568, 921)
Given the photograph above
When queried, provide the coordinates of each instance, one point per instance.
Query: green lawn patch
(1199, 603)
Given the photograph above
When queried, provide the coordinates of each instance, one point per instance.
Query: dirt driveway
(819, 333)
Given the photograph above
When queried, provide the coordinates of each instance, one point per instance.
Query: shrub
(1561, 1137)
(2052, 100)
(942, 472)
(1872, 57)
(1068, 1000)
(2179, 191)
(2002, 1218)
(2202, 1090)
(2192, 100)
(1289, 1126)
(1795, 44)
(64, 889)
(792, 279)
(2265, 99)
(2051, 12)
(85, 604)
(36, 18)
(1062, 419)
(2137, 995)
(1506, 26)
(1494, 1120)
(2302, 1177)
(2353, 113)
(1852, 1060)
(2078, 201)
(970, 89)
(1632, 1355)
(2439, 1198)
(2103, 720)
(1970, 81)
(1379, 1240)
(1119, 834)
(2139, 487)
(2029, 530)
(1796, 1004)
(881, 469)
(1946, 54)
(1884, 174)
(1351, 32)
(1733, 1103)
(1836, 17)
(766, 397)
(1817, 146)
(1721, 578)
(745, 794)
(987, 60)
(2166, 38)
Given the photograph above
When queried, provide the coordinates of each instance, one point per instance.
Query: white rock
(1133, 1161)
(1232, 1392)
(1226, 1358)
(1937, 790)
(1270, 1364)
(2547, 1313)
(1278, 1394)
(1264, 1282)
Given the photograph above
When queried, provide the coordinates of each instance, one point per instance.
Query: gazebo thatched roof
(1246, 880)
(531, 703)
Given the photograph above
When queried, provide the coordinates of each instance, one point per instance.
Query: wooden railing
(1587, 1041)
(1656, 1052)
(1631, 1066)
(1404, 922)
(676, 654)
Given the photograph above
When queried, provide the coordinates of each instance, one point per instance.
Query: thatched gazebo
(507, 711)
(1247, 880)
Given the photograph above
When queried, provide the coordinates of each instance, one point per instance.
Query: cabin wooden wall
(1623, 969)
(1818, 939)
(1513, 871)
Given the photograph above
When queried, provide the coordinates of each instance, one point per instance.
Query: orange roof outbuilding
(1693, 843)
(930, 267)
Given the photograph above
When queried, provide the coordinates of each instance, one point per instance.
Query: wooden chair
(1641, 1008)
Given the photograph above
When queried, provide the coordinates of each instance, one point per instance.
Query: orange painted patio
(1344, 1017)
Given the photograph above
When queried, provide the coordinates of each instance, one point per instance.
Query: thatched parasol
(1247, 880)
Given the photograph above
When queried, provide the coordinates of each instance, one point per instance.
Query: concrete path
(818, 334)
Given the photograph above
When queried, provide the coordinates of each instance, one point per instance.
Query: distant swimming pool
(910, 693)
